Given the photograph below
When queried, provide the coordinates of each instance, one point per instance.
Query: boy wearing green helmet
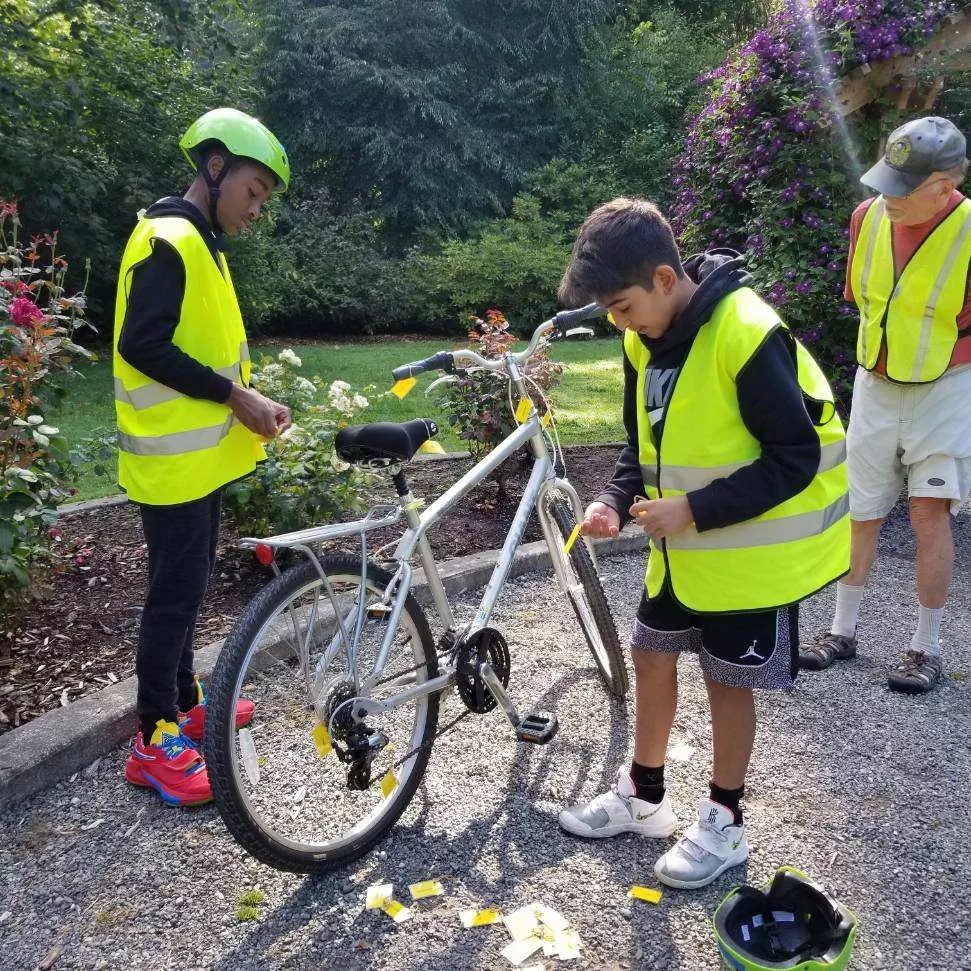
(188, 422)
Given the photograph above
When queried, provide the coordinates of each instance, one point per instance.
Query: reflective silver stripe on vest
(154, 393)
(878, 208)
(687, 478)
(928, 323)
(764, 532)
(176, 443)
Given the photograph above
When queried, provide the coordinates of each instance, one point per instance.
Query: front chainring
(489, 645)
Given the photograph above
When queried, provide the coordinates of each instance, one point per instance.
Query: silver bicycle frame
(541, 482)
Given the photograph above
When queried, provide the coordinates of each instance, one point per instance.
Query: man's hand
(662, 517)
(258, 414)
(600, 520)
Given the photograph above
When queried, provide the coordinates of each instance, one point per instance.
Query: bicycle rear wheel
(586, 595)
(286, 798)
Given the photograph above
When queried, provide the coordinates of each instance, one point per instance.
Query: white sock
(927, 637)
(848, 600)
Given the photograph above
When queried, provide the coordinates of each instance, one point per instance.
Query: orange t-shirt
(906, 239)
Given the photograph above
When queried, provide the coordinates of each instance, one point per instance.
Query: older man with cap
(910, 252)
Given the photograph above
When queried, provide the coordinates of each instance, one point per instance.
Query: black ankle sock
(648, 781)
(729, 798)
(188, 697)
(148, 721)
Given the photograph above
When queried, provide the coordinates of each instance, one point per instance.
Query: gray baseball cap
(914, 151)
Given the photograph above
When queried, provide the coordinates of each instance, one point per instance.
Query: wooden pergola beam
(949, 49)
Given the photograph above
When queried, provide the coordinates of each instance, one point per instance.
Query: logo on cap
(899, 152)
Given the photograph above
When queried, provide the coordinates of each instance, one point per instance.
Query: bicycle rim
(280, 784)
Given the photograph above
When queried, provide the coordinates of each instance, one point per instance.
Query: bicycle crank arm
(537, 728)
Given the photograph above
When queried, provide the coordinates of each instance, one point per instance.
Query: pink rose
(25, 313)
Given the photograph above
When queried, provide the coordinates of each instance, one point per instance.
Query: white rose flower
(359, 401)
(288, 357)
(339, 387)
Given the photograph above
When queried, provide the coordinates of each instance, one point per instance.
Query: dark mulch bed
(82, 635)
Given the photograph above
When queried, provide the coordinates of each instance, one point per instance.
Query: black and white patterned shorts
(752, 650)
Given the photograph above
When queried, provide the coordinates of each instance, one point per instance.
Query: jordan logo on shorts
(751, 652)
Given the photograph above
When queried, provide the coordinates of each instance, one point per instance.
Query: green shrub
(302, 482)
(37, 327)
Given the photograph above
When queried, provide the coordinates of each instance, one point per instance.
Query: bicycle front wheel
(586, 595)
(278, 782)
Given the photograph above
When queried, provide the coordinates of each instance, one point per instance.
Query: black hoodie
(154, 309)
(769, 399)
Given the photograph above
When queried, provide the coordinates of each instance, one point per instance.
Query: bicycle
(340, 660)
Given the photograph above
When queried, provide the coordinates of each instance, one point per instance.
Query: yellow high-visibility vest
(916, 313)
(788, 552)
(173, 448)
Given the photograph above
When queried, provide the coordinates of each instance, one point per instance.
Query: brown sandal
(826, 649)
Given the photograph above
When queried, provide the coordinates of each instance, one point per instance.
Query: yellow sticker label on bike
(523, 409)
(426, 888)
(400, 388)
(388, 783)
(322, 740)
(546, 419)
(568, 545)
(645, 893)
(431, 447)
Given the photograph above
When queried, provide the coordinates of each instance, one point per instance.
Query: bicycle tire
(220, 734)
(608, 655)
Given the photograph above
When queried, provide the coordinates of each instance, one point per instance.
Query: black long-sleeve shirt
(770, 403)
(154, 308)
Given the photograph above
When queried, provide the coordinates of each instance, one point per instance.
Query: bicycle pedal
(538, 727)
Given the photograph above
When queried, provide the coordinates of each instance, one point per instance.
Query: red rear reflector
(264, 554)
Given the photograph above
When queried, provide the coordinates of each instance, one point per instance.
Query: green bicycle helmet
(796, 926)
(242, 135)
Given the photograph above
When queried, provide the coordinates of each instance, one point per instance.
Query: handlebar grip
(443, 359)
(567, 318)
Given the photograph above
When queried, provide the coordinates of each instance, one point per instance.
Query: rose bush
(768, 168)
(38, 321)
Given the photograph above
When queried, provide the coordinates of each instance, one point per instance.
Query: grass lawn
(587, 402)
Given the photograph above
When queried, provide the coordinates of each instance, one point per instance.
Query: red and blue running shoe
(170, 765)
(192, 723)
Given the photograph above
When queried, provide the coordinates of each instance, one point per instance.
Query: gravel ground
(849, 782)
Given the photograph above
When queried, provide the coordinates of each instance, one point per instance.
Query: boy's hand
(260, 415)
(662, 517)
(600, 520)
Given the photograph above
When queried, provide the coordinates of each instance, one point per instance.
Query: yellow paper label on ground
(399, 913)
(378, 894)
(518, 951)
(521, 923)
(431, 447)
(400, 388)
(645, 893)
(479, 918)
(568, 545)
(426, 888)
(322, 740)
(554, 920)
(388, 783)
(523, 409)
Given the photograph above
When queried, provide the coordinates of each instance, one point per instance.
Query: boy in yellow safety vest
(735, 467)
(188, 422)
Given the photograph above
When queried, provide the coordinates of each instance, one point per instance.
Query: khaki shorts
(918, 434)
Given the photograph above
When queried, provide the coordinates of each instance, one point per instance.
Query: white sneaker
(707, 849)
(620, 811)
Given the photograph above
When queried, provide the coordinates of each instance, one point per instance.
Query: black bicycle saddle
(383, 442)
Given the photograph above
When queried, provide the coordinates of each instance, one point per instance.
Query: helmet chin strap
(213, 185)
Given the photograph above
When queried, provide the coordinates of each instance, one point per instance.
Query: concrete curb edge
(61, 742)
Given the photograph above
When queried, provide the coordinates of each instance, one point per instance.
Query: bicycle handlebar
(446, 360)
